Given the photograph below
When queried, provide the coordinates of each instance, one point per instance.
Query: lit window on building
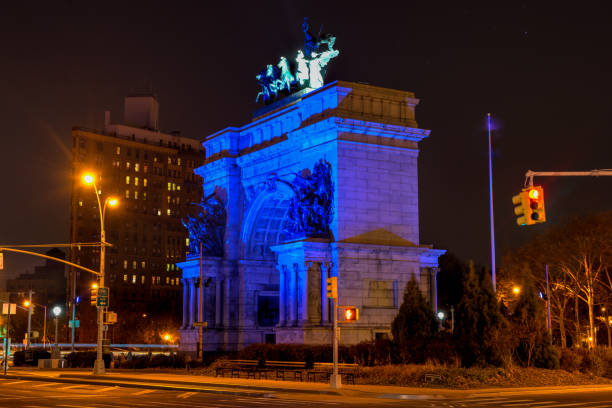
(169, 160)
(178, 188)
(144, 195)
(155, 159)
(172, 267)
(173, 186)
(127, 165)
(80, 203)
(137, 167)
(159, 212)
(186, 242)
(145, 169)
(135, 181)
(169, 186)
(144, 182)
(179, 161)
(127, 179)
(127, 193)
(142, 279)
(168, 199)
(152, 280)
(133, 278)
(125, 264)
(125, 278)
(143, 264)
(117, 150)
(167, 267)
(169, 211)
(167, 280)
(134, 264)
(136, 195)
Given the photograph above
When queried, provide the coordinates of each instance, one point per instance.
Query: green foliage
(529, 326)
(481, 331)
(414, 324)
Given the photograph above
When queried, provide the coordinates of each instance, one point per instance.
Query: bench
(287, 367)
(325, 370)
(235, 367)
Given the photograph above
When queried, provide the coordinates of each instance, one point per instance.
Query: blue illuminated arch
(266, 221)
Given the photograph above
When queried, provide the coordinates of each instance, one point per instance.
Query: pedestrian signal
(351, 314)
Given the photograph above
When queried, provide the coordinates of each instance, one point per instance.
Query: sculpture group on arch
(310, 63)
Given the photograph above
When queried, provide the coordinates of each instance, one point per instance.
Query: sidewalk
(251, 387)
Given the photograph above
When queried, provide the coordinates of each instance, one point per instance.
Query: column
(301, 276)
(292, 295)
(185, 303)
(282, 270)
(192, 302)
(324, 301)
(433, 287)
(218, 295)
(226, 302)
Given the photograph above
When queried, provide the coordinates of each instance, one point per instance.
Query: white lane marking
(106, 389)
(71, 387)
(16, 382)
(186, 395)
(143, 392)
(44, 385)
(519, 404)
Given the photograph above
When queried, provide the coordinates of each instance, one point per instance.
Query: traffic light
(351, 314)
(536, 204)
(94, 296)
(530, 206)
(332, 287)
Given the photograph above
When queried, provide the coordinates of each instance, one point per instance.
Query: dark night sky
(542, 70)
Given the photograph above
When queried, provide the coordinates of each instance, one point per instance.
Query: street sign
(102, 297)
(74, 323)
(200, 324)
(9, 308)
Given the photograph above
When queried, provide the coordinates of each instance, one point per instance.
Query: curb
(218, 390)
(202, 384)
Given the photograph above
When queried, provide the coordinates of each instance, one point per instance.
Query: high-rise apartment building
(151, 175)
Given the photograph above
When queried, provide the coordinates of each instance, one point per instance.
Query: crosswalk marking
(44, 384)
(143, 392)
(106, 389)
(71, 387)
(16, 382)
(186, 395)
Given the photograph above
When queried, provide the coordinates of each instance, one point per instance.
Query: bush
(593, 363)
(571, 360)
(81, 359)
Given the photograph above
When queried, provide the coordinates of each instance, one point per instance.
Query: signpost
(8, 309)
(102, 297)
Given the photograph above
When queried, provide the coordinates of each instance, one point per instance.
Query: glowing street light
(56, 312)
(441, 315)
(88, 178)
(516, 290)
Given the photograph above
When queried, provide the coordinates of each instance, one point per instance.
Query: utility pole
(29, 321)
(452, 310)
(593, 173)
(200, 318)
(492, 221)
(548, 322)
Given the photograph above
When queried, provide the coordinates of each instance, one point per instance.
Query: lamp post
(56, 312)
(29, 304)
(89, 179)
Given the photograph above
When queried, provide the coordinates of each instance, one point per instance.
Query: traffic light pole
(593, 173)
(29, 321)
(335, 380)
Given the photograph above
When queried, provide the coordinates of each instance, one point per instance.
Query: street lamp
(516, 290)
(56, 312)
(29, 304)
(89, 179)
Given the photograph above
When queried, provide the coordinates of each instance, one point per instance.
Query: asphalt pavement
(30, 390)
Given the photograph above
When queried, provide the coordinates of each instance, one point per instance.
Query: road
(39, 394)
